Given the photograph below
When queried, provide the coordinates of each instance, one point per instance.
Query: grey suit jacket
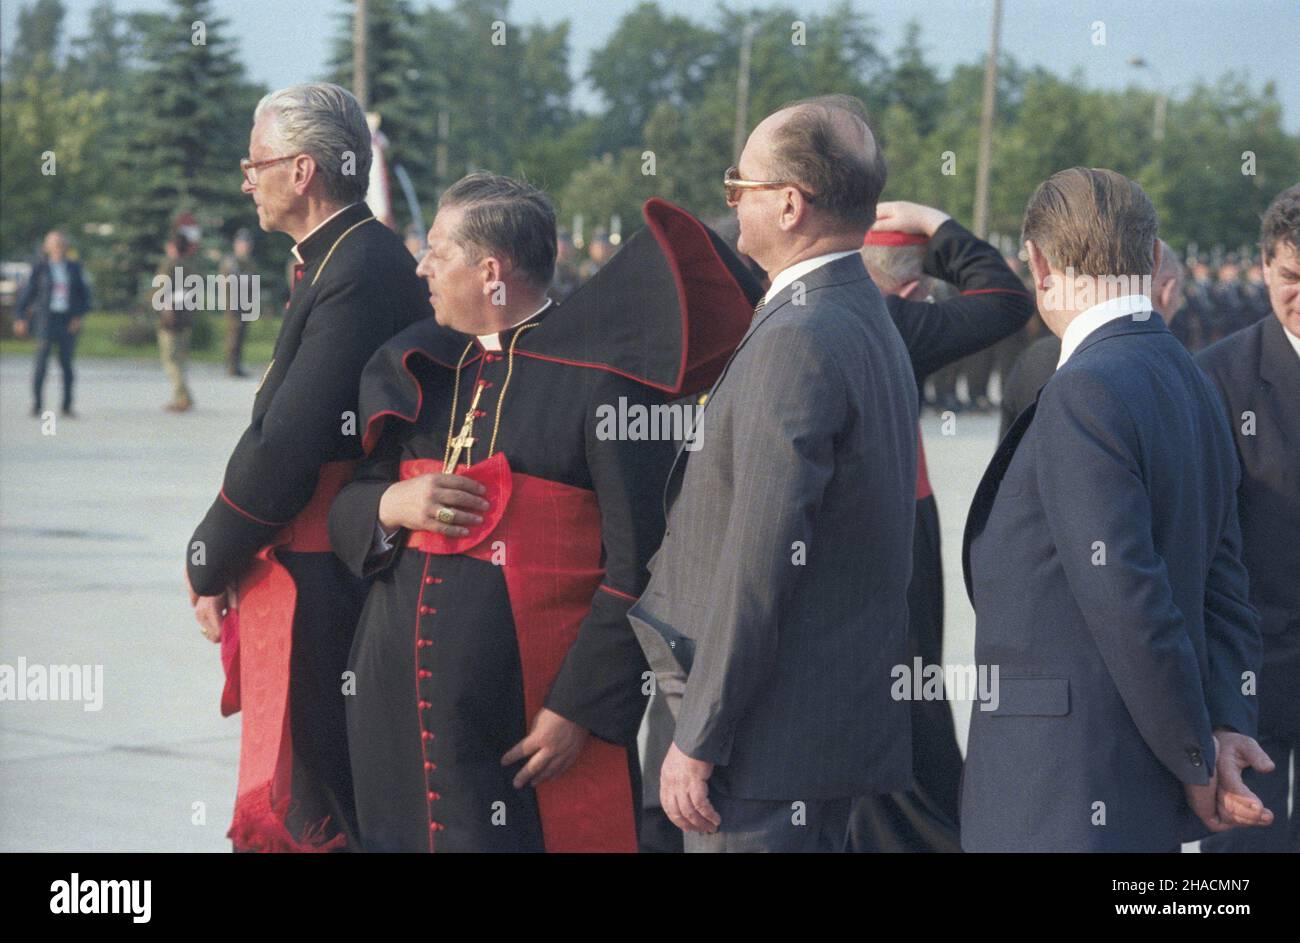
(777, 604)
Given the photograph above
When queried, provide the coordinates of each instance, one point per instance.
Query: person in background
(175, 325)
(567, 279)
(414, 242)
(1256, 293)
(1257, 371)
(1037, 362)
(51, 308)
(598, 253)
(909, 249)
(238, 263)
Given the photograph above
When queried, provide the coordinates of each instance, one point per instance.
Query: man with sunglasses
(263, 578)
(777, 604)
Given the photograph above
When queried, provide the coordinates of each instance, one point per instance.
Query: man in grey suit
(777, 604)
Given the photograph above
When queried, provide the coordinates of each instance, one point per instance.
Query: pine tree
(182, 142)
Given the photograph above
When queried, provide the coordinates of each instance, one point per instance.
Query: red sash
(258, 680)
(546, 538)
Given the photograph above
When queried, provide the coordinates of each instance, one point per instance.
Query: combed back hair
(507, 219)
(845, 177)
(1096, 221)
(326, 122)
(1281, 223)
(895, 266)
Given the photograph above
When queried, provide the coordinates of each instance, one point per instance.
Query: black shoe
(237, 372)
(68, 413)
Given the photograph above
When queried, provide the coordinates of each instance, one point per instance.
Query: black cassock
(462, 642)
(264, 534)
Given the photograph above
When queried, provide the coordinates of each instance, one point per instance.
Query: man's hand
(554, 744)
(901, 216)
(414, 504)
(1235, 803)
(20, 329)
(74, 326)
(684, 792)
(208, 610)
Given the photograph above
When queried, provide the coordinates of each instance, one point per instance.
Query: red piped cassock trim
(257, 681)
(546, 537)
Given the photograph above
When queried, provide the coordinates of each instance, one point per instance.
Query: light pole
(1162, 99)
(986, 127)
(742, 91)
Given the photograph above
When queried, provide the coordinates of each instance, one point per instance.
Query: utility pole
(360, 87)
(742, 92)
(986, 127)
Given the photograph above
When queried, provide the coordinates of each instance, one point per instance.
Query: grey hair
(326, 122)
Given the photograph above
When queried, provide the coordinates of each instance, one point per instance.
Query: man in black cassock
(261, 558)
(909, 245)
(506, 512)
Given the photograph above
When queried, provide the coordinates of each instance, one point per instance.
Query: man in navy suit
(1103, 559)
(1257, 371)
(50, 308)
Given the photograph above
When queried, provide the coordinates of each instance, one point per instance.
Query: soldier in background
(175, 325)
(238, 263)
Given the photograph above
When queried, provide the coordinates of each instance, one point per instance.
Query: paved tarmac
(95, 513)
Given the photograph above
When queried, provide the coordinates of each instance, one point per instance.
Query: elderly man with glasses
(777, 604)
(262, 577)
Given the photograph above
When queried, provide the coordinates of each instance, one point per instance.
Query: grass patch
(126, 336)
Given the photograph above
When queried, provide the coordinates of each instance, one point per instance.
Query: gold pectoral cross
(466, 438)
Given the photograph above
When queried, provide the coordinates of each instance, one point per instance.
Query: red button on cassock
(425, 735)
(425, 705)
(428, 766)
(428, 580)
(434, 797)
(425, 674)
(423, 643)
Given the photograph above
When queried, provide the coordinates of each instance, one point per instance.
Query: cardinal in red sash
(509, 503)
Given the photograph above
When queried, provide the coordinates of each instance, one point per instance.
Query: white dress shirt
(493, 341)
(1092, 318)
(1295, 341)
(784, 277)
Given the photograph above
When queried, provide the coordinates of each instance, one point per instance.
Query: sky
(288, 41)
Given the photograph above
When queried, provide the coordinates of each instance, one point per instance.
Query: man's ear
(794, 208)
(1039, 268)
(304, 172)
(491, 269)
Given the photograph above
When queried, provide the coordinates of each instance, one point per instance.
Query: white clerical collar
(1089, 320)
(493, 341)
(799, 270)
(1292, 339)
(294, 250)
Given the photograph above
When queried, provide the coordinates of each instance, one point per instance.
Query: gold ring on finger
(446, 515)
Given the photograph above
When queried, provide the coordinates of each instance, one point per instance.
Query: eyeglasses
(734, 186)
(249, 167)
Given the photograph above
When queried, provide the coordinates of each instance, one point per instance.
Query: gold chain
(510, 368)
(346, 233)
(455, 399)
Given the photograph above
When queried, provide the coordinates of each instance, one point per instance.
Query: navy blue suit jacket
(1103, 558)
